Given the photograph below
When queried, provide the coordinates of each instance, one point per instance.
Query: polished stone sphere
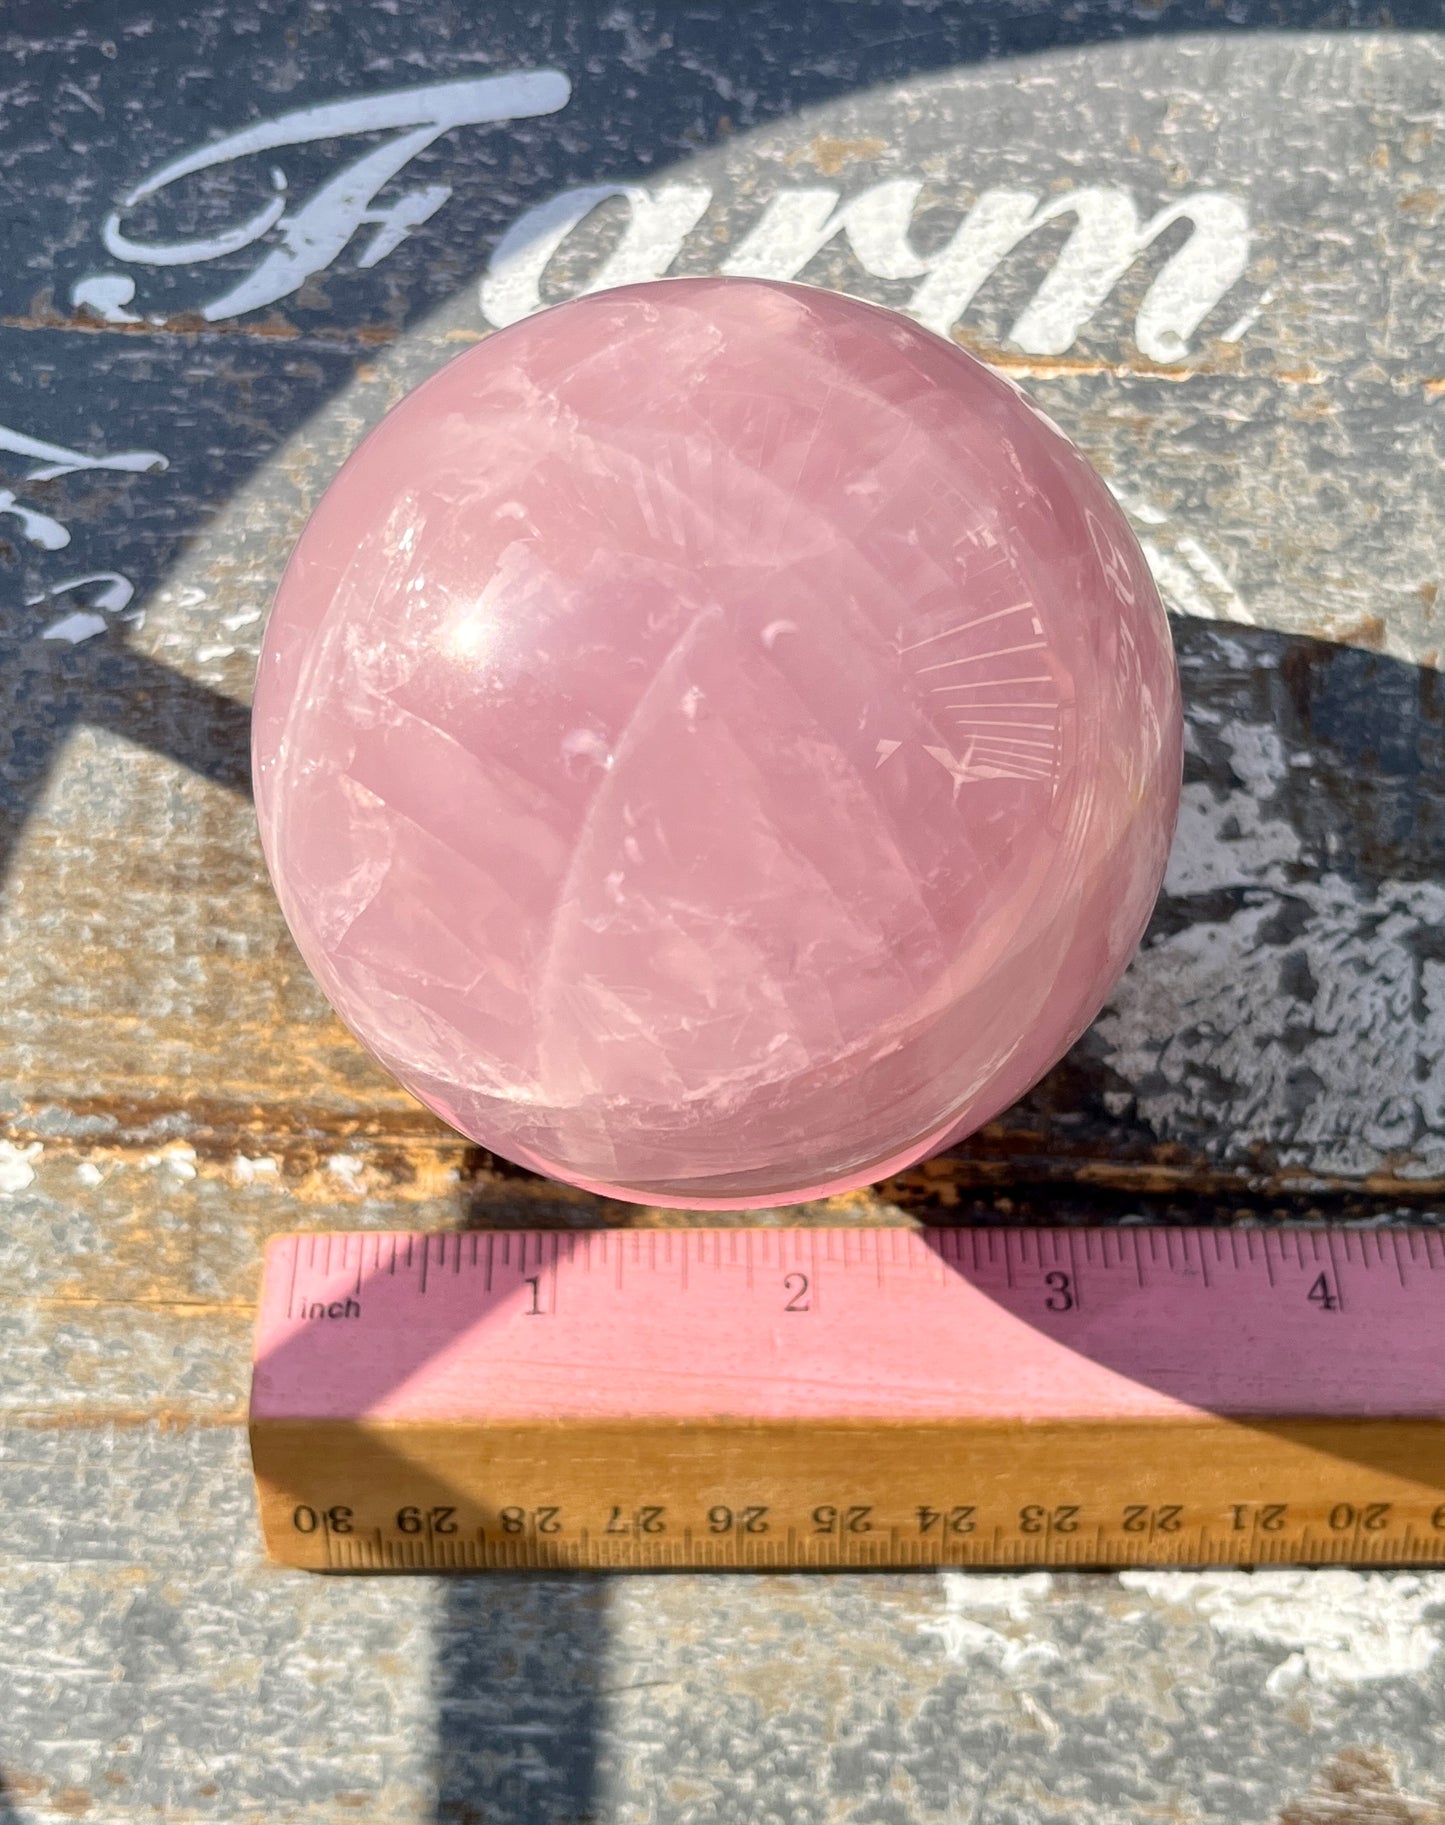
(716, 742)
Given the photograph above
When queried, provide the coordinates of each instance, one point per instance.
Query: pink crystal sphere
(716, 742)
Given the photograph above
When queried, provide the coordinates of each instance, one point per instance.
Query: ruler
(744, 1397)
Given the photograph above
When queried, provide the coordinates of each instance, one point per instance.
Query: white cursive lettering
(1106, 240)
(658, 222)
(313, 235)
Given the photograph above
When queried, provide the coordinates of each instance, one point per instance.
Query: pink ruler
(847, 1324)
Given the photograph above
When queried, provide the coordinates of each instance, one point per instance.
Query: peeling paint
(1209, 1026)
(1004, 1598)
(17, 1171)
(247, 1171)
(1340, 1627)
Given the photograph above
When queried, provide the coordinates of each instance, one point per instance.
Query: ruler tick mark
(1335, 1270)
(1073, 1271)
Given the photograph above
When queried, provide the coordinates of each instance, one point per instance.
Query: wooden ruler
(768, 1398)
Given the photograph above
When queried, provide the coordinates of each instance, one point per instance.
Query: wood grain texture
(1281, 481)
(173, 1090)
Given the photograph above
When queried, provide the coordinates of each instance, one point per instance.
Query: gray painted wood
(173, 1090)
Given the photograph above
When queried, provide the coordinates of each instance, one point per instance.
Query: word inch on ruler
(832, 1398)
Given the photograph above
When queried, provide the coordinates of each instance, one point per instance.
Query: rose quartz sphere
(716, 742)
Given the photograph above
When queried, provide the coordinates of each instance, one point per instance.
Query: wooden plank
(1277, 1035)
(1281, 1032)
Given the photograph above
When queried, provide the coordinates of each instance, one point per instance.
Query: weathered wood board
(1209, 239)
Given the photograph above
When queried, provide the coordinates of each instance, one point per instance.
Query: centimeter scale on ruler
(771, 1397)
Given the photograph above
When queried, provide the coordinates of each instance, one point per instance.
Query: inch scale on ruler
(833, 1398)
